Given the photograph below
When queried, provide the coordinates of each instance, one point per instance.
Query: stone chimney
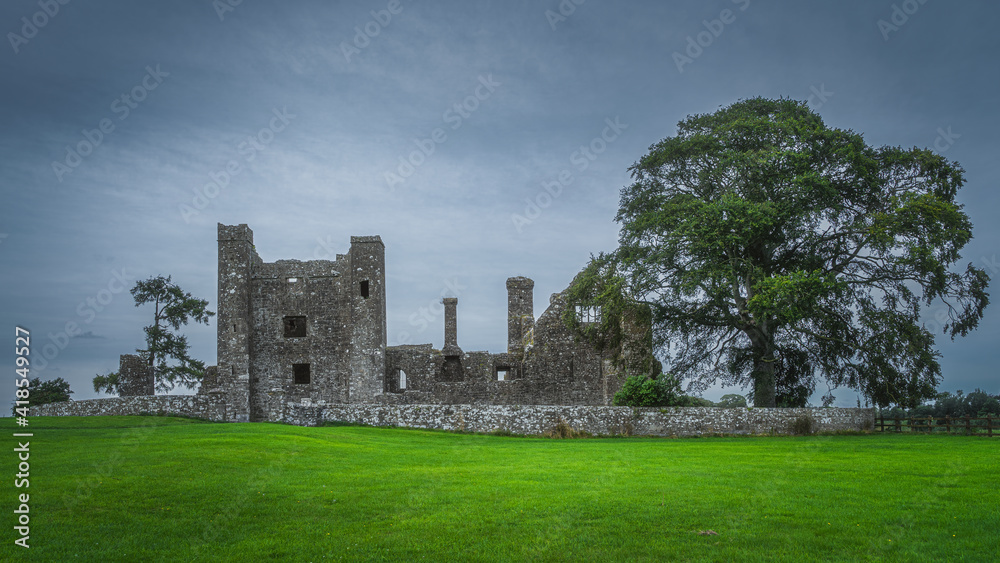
(451, 327)
(520, 312)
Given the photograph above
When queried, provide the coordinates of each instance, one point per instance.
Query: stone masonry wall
(531, 419)
(211, 406)
(538, 419)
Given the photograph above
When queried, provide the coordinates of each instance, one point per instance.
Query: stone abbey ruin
(304, 342)
(314, 333)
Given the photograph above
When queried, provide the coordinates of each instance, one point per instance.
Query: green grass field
(169, 489)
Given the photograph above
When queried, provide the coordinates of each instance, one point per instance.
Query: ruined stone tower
(308, 332)
(236, 262)
(367, 295)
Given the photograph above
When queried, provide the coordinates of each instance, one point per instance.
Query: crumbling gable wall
(544, 365)
(577, 374)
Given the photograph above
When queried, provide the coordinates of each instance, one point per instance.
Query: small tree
(51, 391)
(172, 307)
(732, 401)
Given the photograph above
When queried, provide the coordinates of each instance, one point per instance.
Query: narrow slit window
(364, 289)
(300, 374)
(402, 380)
(295, 327)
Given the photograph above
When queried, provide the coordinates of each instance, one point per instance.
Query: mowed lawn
(170, 489)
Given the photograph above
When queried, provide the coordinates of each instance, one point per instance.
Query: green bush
(803, 425)
(562, 429)
(661, 391)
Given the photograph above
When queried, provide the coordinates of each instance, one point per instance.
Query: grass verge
(174, 489)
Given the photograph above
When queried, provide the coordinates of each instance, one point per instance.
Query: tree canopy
(49, 391)
(172, 307)
(774, 251)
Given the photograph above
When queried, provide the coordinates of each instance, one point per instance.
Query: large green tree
(166, 349)
(774, 250)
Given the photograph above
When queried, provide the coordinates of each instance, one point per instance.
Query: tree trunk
(764, 384)
(764, 390)
(156, 321)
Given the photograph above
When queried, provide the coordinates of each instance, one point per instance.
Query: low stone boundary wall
(202, 406)
(525, 419)
(539, 419)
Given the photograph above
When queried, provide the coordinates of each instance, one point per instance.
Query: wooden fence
(982, 425)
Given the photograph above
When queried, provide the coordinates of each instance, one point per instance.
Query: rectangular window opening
(293, 280)
(402, 380)
(295, 326)
(588, 314)
(364, 289)
(300, 373)
(503, 374)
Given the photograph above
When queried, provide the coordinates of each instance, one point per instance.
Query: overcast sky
(130, 129)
